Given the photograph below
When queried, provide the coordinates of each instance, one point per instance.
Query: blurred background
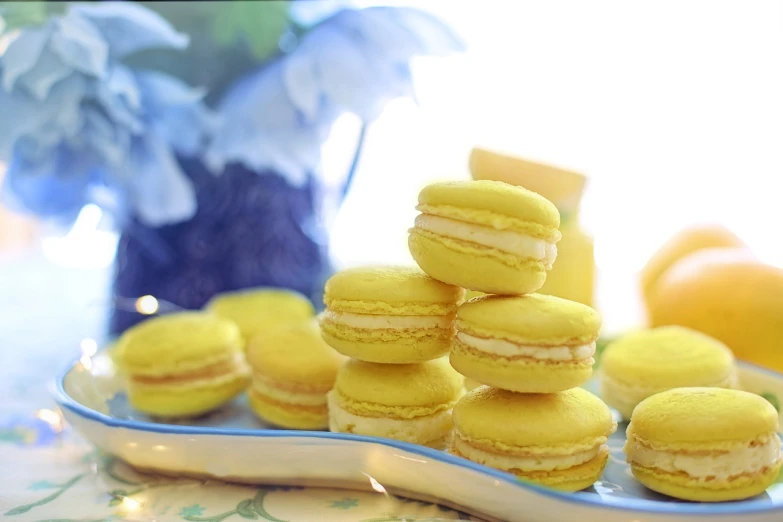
(673, 110)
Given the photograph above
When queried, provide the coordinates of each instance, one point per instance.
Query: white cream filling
(234, 368)
(624, 397)
(300, 398)
(532, 463)
(719, 465)
(505, 240)
(419, 430)
(544, 353)
(388, 322)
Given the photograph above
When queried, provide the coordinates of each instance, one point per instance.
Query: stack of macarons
(395, 323)
(530, 352)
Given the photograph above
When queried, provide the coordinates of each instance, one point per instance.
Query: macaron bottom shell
(684, 487)
(473, 266)
(387, 346)
(432, 430)
(286, 415)
(571, 479)
(521, 375)
(187, 399)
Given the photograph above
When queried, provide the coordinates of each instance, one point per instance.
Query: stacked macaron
(395, 323)
(529, 351)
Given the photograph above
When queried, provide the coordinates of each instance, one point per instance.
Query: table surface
(49, 473)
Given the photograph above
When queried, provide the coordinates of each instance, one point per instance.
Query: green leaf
(773, 400)
(27, 507)
(258, 505)
(22, 14)
(245, 509)
(258, 24)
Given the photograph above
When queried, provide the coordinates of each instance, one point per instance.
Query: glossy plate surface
(231, 444)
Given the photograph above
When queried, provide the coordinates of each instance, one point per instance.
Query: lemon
(685, 242)
(728, 294)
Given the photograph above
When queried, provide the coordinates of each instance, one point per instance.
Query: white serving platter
(231, 444)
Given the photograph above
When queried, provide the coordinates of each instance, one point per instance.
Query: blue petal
(381, 32)
(301, 82)
(434, 37)
(352, 78)
(120, 97)
(80, 45)
(128, 27)
(359, 59)
(176, 111)
(22, 54)
(110, 142)
(162, 90)
(310, 12)
(122, 82)
(22, 115)
(47, 72)
(54, 187)
(262, 129)
(159, 190)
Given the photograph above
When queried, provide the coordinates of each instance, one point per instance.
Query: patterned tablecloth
(49, 473)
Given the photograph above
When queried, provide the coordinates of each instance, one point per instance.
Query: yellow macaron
(293, 370)
(704, 444)
(647, 362)
(408, 402)
(531, 344)
(556, 440)
(389, 314)
(258, 309)
(183, 364)
(485, 235)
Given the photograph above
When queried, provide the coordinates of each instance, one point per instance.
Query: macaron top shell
(705, 417)
(572, 420)
(390, 290)
(670, 356)
(253, 308)
(178, 342)
(427, 384)
(533, 319)
(295, 353)
(490, 200)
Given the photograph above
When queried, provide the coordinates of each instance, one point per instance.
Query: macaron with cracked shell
(389, 314)
(486, 236)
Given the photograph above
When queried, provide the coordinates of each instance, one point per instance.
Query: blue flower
(78, 124)
(355, 61)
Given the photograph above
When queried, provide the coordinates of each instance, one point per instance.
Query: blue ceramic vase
(251, 229)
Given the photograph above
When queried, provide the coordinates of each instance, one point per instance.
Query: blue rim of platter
(637, 505)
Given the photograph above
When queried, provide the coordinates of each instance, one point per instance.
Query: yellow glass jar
(573, 274)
